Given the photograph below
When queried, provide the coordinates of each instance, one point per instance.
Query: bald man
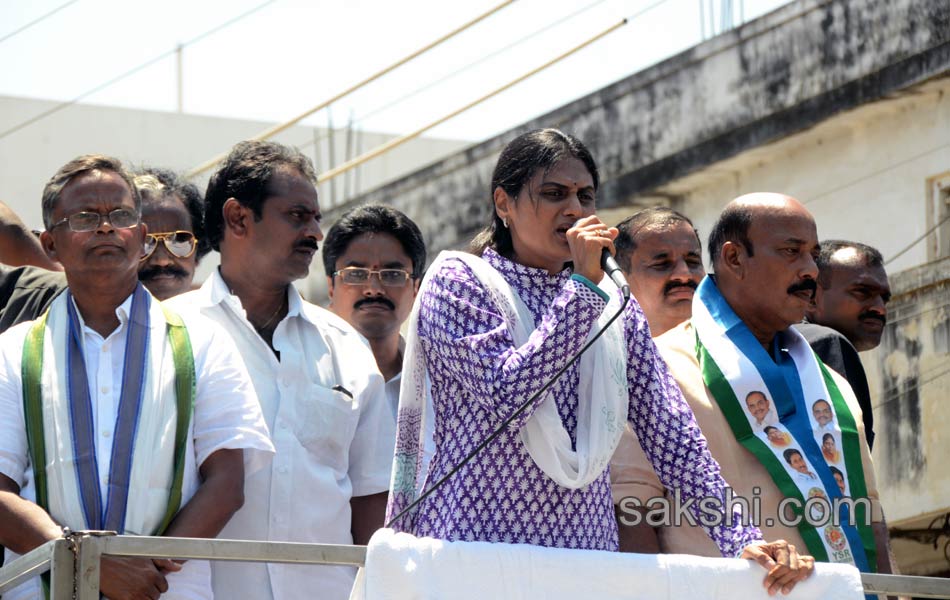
(763, 249)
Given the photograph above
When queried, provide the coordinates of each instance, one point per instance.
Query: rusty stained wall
(909, 376)
(779, 74)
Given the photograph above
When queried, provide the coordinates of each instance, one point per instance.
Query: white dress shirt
(331, 445)
(226, 416)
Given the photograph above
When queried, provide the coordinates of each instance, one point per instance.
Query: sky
(285, 56)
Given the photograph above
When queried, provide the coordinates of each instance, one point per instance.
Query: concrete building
(843, 104)
(29, 157)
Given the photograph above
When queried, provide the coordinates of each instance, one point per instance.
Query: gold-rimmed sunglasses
(178, 243)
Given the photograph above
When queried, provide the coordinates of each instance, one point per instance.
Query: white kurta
(331, 445)
(226, 416)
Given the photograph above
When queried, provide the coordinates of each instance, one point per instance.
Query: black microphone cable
(512, 417)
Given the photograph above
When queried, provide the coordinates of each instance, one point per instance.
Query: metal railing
(73, 562)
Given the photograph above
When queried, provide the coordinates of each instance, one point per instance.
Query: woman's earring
(504, 222)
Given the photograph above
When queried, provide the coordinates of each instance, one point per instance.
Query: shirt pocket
(326, 421)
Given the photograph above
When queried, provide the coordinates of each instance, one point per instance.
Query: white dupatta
(602, 394)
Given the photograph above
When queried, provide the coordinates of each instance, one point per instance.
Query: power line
(875, 173)
(896, 394)
(386, 147)
(282, 126)
(457, 72)
(146, 64)
(907, 317)
(36, 20)
(917, 241)
(382, 149)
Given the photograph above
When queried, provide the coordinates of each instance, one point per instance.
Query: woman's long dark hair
(524, 156)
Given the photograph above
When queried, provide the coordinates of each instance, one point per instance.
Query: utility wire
(461, 70)
(917, 241)
(382, 149)
(282, 126)
(875, 173)
(146, 64)
(896, 395)
(36, 20)
(909, 316)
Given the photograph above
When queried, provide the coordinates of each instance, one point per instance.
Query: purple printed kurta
(479, 377)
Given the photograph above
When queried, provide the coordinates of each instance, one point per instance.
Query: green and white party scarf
(146, 469)
(734, 364)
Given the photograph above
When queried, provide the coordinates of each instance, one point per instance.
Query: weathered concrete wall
(780, 74)
(909, 375)
(863, 174)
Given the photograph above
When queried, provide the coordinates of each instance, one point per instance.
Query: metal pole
(233, 550)
(909, 585)
(87, 573)
(316, 154)
(382, 149)
(63, 570)
(702, 20)
(27, 566)
(179, 61)
(358, 171)
(331, 155)
(347, 155)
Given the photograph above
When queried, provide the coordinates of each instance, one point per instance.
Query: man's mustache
(669, 286)
(378, 300)
(806, 285)
(307, 243)
(872, 315)
(151, 272)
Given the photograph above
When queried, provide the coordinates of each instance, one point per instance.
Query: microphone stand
(504, 424)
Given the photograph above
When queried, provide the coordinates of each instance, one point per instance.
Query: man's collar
(218, 292)
(216, 288)
(122, 311)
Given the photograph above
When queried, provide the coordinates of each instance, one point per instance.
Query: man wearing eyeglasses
(316, 379)
(115, 413)
(374, 257)
(172, 210)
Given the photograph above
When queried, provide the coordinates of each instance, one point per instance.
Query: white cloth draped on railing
(401, 566)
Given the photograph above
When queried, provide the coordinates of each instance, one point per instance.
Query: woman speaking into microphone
(491, 327)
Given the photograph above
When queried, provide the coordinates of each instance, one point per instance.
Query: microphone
(609, 264)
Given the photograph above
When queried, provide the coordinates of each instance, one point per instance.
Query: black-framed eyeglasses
(178, 243)
(81, 222)
(361, 276)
